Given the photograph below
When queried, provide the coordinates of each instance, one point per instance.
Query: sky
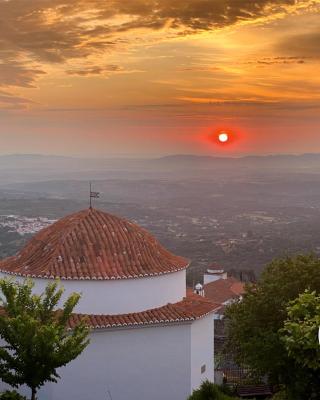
(156, 77)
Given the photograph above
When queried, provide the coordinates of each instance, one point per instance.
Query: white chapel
(150, 339)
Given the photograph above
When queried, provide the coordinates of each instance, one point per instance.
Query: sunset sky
(156, 77)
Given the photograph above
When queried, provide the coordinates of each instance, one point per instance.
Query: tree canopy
(35, 334)
(255, 325)
(300, 331)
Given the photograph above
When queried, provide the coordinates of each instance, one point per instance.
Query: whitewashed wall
(136, 364)
(121, 296)
(149, 363)
(208, 278)
(202, 350)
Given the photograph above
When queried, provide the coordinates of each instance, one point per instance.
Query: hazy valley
(239, 213)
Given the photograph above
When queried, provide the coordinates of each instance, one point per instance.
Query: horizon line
(155, 157)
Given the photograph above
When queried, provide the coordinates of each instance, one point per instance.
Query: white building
(149, 339)
(213, 275)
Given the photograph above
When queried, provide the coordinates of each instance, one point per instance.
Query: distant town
(24, 225)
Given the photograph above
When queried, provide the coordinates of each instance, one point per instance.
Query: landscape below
(238, 213)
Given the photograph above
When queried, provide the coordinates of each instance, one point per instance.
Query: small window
(203, 369)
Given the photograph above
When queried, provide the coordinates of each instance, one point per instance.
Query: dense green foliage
(11, 395)
(300, 338)
(37, 340)
(300, 332)
(209, 391)
(254, 325)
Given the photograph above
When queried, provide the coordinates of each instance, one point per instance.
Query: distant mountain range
(272, 157)
(269, 161)
(9, 158)
(24, 168)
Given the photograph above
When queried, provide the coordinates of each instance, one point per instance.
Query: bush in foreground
(209, 391)
(282, 395)
(11, 395)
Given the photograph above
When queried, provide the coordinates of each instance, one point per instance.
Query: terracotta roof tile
(92, 244)
(223, 290)
(190, 308)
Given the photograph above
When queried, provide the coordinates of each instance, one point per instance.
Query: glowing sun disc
(223, 137)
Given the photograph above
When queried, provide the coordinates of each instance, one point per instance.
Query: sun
(223, 137)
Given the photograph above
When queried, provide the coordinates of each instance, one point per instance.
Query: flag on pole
(95, 195)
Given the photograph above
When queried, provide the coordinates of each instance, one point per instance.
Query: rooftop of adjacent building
(224, 289)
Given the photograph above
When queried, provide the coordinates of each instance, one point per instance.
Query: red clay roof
(190, 308)
(92, 244)
(223, 290)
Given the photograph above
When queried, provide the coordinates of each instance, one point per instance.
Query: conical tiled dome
(92, 244)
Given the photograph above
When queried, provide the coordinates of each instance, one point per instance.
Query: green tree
(35, 332)
(300, 332)
(253, 324)
(300, 337)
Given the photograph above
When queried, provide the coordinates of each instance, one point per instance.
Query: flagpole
(92, 195)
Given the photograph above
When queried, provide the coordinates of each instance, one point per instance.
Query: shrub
(282, 395)
(209, 391)
(11, 395)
